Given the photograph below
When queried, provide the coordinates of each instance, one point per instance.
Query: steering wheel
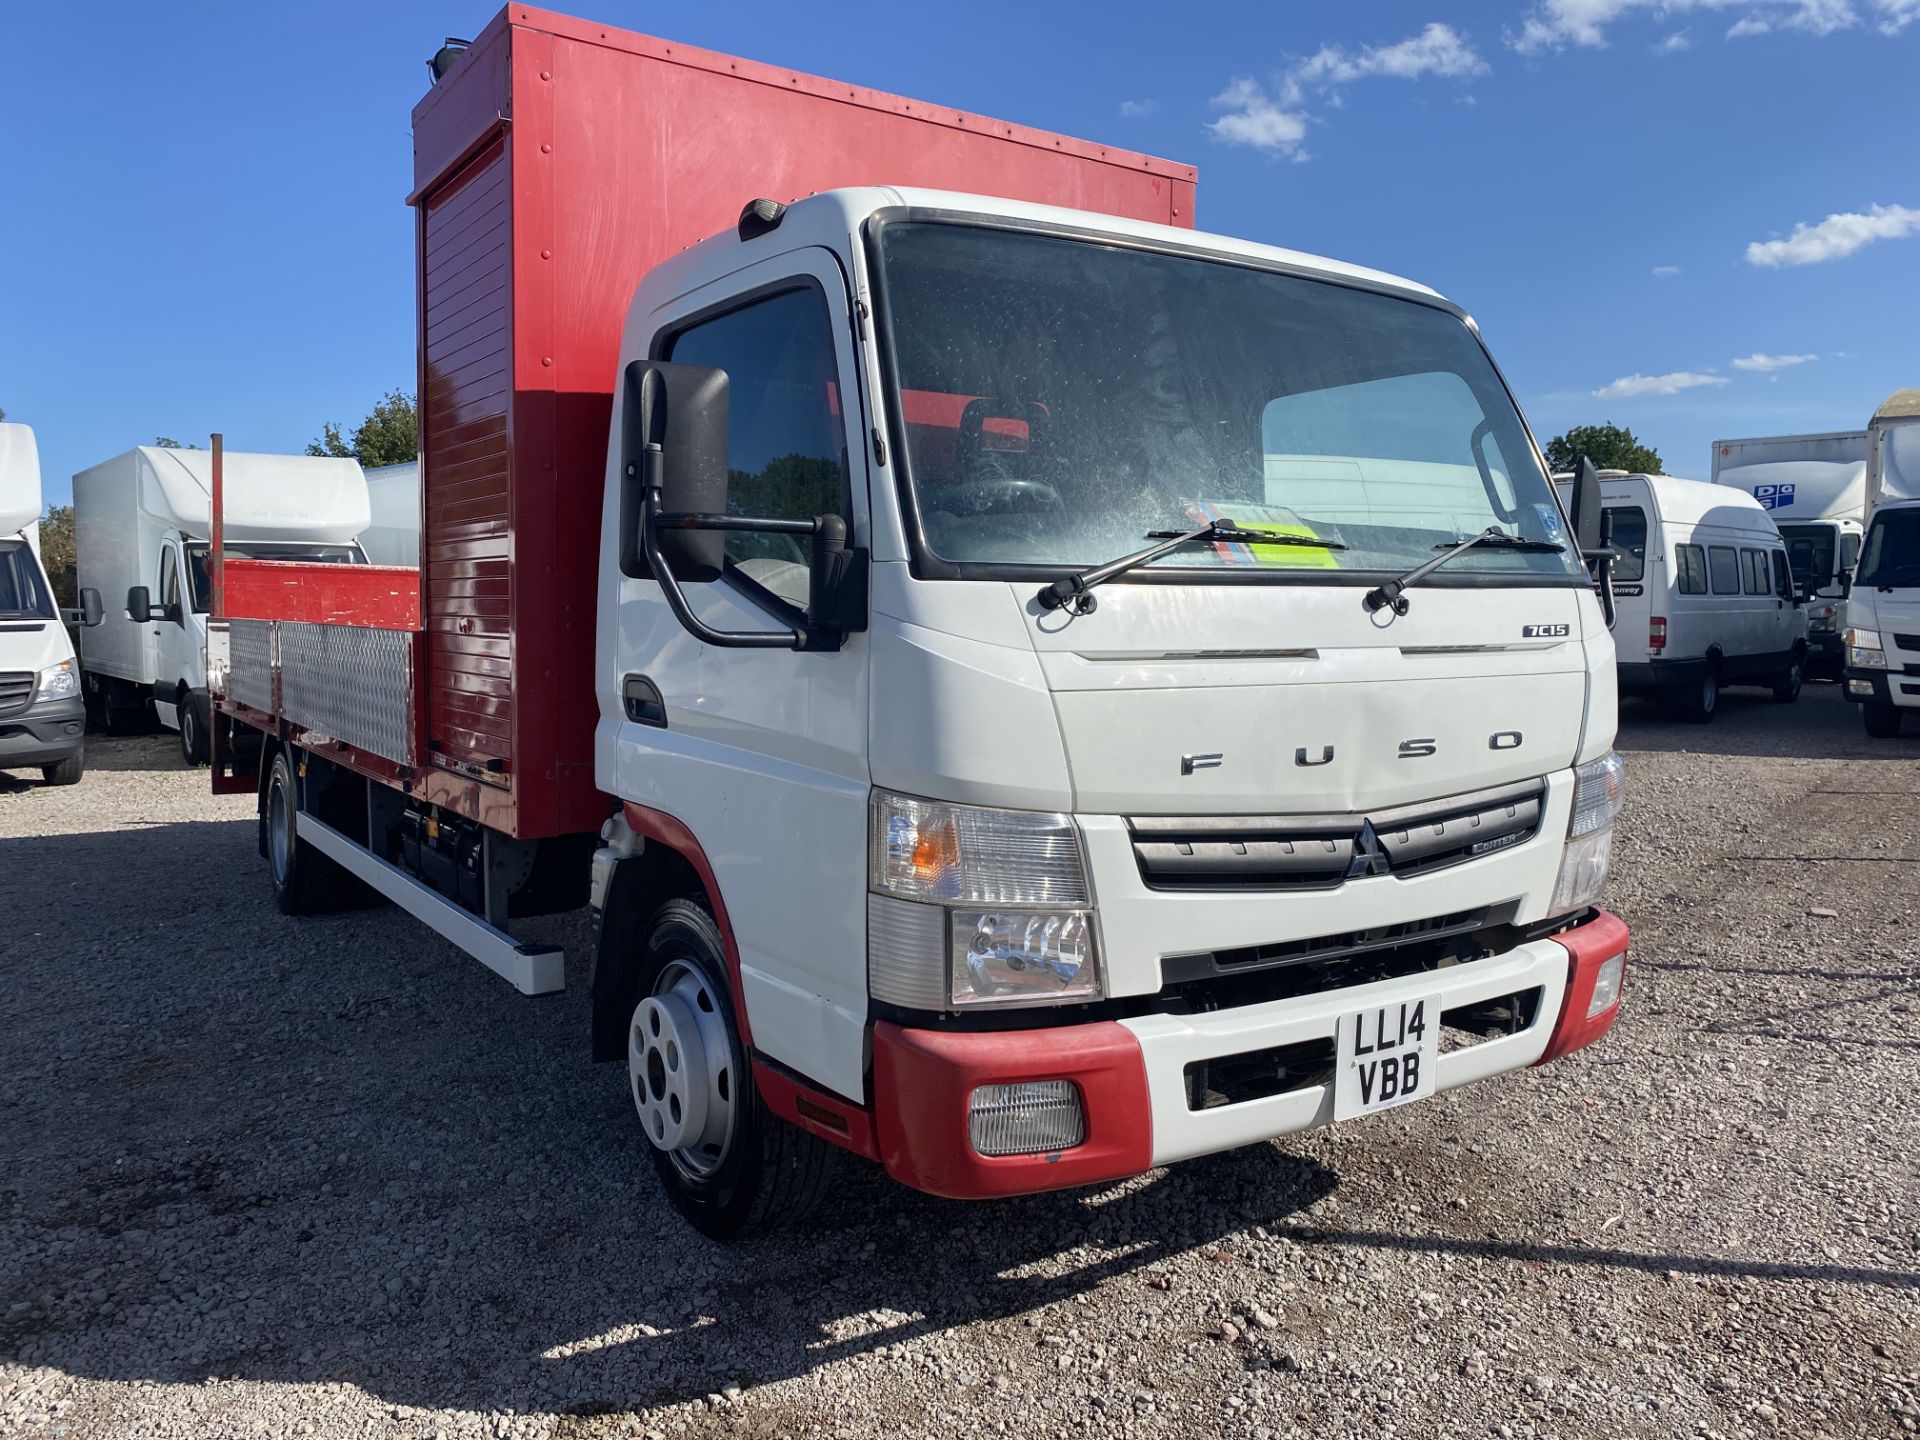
(1000, 496)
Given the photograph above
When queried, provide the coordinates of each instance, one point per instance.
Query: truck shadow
(335, 1151)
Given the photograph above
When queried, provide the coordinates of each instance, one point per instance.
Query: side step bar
(530, 969)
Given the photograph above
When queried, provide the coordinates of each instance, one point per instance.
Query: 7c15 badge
(1545, 632)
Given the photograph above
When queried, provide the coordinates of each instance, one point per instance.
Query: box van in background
(1703, 593)
(1883, 608)
(141, 526)
(1815, 488)
(42, 721)
(393, 499)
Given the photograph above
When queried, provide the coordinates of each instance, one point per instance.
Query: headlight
(1599, 790)
(973, 907)
(1583, 872)
(1863, 650)
(59, 682)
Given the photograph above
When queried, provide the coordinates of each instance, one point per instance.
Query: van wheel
(1699, 703)
(67, 771)
(121, 709)
(305, 882)
(1786, 685)
(1883, 719)
(193, 731)
(728, 1165)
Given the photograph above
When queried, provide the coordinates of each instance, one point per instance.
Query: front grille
(16, 691)
(1315, 852)
(1906, 642)
(1175, 969)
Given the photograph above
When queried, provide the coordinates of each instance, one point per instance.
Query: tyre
(1883, 719)
(305, 882)
(728, 1165)
(1698, 703)
(193, 731)
(1786, 685)
(68, 771)
(122, 709)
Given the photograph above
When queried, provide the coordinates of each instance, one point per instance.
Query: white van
(1883, 607)
(42, 721)
(141, 528)
(1703, 593)
(393, 496)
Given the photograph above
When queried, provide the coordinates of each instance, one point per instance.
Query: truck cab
(1883, 606)
(1157, 864)
(42, 720)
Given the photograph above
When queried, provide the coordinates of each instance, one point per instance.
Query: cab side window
(786, 450)
(1630, 540)
(1723, 564)
(1754, 564)
(1691, 562)
(1782, 576)
(169, 578)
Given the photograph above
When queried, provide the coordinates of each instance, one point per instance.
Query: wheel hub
(680, 1073)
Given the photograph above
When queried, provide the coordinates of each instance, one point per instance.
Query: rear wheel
(305, 882)
(67, 771)
(728, 1165)
(122, 709)
(1698, 703)
(1883, 719)
(1786, 685)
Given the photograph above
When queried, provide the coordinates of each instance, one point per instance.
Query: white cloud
(1628, 387)
(1276, 120)
(1896, 15)
(1253, 119)
(1558, 24)
(1666, 272)
(1138, 109)
(1766, 364)
(1835, 237)
(1673, 44)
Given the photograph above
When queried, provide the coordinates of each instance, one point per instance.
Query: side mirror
(673, 438)
(140, 604)
(1588, 525)
(91, 611)
(1845, 577)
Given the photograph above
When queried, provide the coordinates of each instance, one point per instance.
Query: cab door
(172, 627)
(761, 753)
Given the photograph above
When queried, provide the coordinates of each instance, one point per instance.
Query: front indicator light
(1029, 1118)
(1599, 790)
(1606, 986)
(1583, 872)
(58, 682)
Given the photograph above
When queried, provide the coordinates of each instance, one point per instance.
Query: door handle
(640, 697)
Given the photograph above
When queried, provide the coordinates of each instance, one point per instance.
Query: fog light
(1606, 986)
(1859, 687)
(1029, 1118)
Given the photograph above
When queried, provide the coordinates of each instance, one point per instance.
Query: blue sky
(204, 224)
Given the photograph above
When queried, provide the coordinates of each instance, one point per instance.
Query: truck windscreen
(1060, 399)
(1810, 551)
(1890, 555)
(23, 595)
(197, 561)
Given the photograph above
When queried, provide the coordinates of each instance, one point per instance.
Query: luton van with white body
(42, 723)
(1703, 593)
(1883, 609)
(141, 528)
(1815, 488)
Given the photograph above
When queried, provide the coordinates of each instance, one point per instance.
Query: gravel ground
(268, 1178)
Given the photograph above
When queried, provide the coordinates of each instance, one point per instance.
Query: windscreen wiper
(1393, 593)
(1070, 591)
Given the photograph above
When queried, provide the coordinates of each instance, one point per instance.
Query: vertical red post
(217, 562)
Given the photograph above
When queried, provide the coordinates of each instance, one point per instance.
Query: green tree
(167, 442)
(1610, 447)
(388, 436)
(57, 554)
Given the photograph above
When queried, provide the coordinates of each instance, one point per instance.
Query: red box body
(555, 164)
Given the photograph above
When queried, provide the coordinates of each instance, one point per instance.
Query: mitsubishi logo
(1368, 856)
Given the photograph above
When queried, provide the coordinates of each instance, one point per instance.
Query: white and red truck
(1031, 692)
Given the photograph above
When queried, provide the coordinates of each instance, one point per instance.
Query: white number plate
(1387, 1056)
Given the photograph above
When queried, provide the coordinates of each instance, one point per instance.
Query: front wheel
(193, 731)
(66, 772)
(1883, 719)
(1786, 685)
(728, 1165)
(1699, 703)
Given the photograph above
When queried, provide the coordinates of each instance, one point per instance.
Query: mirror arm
(653, 520)
(1600, 562)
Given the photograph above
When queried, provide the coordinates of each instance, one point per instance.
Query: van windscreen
(22, 594)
